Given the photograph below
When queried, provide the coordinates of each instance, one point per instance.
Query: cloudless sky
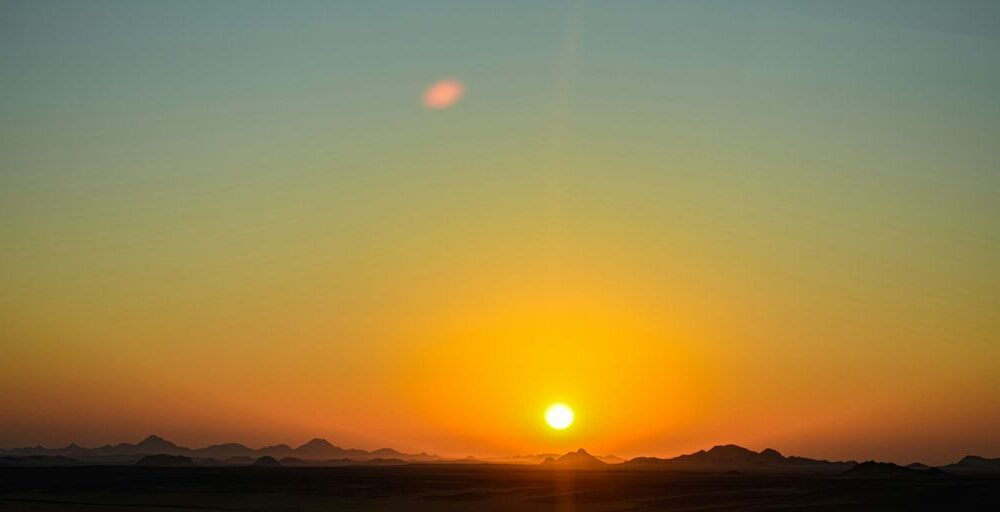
(771, 223)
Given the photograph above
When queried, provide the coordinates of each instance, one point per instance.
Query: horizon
(624, 457)
(503, 228)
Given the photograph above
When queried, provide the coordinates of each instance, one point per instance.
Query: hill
(579, 459)
(266, 462)
(224, 451)
(974, 464)
(888, 470)
(732, 457)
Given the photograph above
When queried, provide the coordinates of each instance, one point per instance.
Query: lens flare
(443, 94)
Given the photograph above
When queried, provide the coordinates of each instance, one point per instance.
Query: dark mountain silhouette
(277, 450)
(974, 463)
(165, 460)
(314, 450)
(918, 465)
(157, 444)
(733, 457)
(579, 459)
(266, 462)
(224, 450)
(386, 453)
(610, 459)
(150, 445)
(316, 444)
(322, 449)
(320, 452)
(68, 451)
(888, 470)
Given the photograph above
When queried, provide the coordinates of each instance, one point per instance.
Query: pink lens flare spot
(443, 94)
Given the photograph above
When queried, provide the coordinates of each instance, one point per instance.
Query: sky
(772, 223)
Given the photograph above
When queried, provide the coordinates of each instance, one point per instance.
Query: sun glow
(559, 416)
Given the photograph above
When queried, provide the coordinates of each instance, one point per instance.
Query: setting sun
(390, 251)
(559, 416)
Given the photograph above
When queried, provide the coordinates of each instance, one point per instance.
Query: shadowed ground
(479, 488)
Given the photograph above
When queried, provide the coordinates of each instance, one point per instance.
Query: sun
(559, 416)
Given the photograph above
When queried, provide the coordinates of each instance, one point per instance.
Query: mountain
(224, 451)
(322, 449)
(67, 451)
(610, 459)
(277, 450)
(386, 453)
(150, 445)
(974, 463)
(579, 459)
(127, 453)
(266, 462)
(157, 444)
(320, 452)
(887, 470)
(733, 457)
(389, 453)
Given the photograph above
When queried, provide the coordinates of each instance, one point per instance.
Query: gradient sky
(773, 224)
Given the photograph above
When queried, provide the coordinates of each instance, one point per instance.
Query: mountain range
(318, 451)
(314, 450)
(872, 470)
(733, 457)
(537, 458)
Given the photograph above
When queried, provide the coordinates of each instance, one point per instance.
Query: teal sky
(799, 187)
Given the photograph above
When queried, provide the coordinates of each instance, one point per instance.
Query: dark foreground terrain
(468, 487)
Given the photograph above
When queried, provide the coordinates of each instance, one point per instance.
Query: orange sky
(775, 227)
